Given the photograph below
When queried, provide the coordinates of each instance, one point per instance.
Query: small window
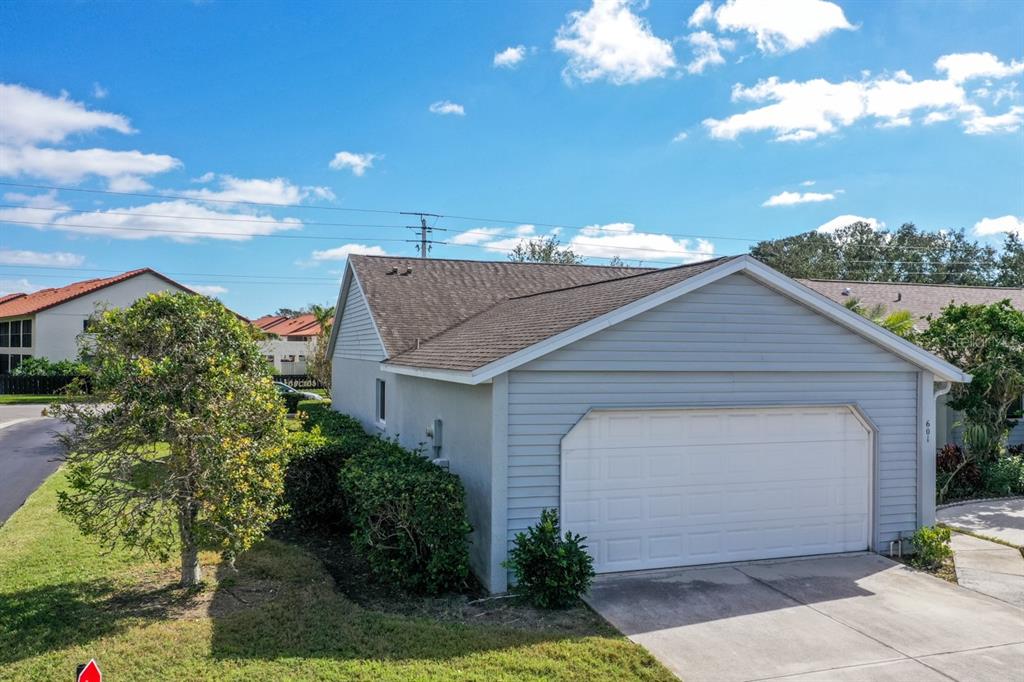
(16, 360)
(381, 401)
(26, 333)
(16, 334)
(5, 363)
(5, 334)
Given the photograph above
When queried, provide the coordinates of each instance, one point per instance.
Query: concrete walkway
(989, 568)
(17, 413)
(1001, 519)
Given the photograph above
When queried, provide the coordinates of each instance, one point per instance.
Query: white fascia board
(820, 303)
(453, 376)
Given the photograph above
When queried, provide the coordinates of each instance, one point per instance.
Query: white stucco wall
(57, 329)
(281, 347)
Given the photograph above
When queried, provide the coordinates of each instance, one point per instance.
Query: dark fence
(37, 385)
(298, 380)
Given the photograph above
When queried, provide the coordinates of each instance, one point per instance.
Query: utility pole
(424, 241)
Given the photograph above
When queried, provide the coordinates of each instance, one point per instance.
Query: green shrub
(1004, 476)
(931, 546)
(408, 516)
(310, 483)
(291, 401)
(331, 422)
(36, 367)
(551, 571)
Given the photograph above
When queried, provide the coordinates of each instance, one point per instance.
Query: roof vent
(408, 271)
(847, 291)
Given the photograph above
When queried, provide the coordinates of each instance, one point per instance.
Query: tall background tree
(544, 250)
(187, 451)
(319, 363)
(906, 254)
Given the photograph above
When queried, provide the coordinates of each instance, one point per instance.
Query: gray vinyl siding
(733, 342)
(357, 337)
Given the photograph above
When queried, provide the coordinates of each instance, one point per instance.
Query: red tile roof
(301, 325)
(27, 304)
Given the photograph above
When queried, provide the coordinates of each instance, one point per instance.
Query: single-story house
(924, 301)
(289, 340)
(47, 323)
(705, 413)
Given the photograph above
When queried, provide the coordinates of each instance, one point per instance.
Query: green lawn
(63, 601)
(35, 399)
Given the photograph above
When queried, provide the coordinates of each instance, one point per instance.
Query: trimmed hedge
(331, 423)
(551, 570)
(310, 481)
(408, 516)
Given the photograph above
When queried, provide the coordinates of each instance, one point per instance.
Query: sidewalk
(989, 568)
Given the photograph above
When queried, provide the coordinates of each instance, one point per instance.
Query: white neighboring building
(47, 323)
(289, 341)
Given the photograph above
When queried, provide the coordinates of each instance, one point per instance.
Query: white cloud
(18, 286)
(805, 110)
(177, 220)
(707, 50)
(843, 220)
(807, 183)
(445, 107)
(57, 259)
(981, 124)
(357, 163)
(965, 66)
(128, 183)
(256, 190)
(622, 240)
(66, 165)
(208, 289)
(475, 236)
(99, 92)
(779, 25)
(986, 227)
(792, 198)
(609, 41)
(702, 14)
(346, 250)
(679, 137)
(510, 57)
(31, 116)
(35, 208)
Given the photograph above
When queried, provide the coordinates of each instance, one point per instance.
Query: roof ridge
(624, 277)
(502, 262)
(912, 284)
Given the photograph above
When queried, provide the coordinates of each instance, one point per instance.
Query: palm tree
(324, 315)
(899, 322)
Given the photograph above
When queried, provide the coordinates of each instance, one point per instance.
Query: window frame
(15, 335)
(380, 402)
(5, 334)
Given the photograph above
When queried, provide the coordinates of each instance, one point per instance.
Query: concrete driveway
(846, 617)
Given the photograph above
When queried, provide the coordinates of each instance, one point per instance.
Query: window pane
(5, 334)
(16, 335)
(381, 400)
(26, 333)
(15, 361)
(5, 361)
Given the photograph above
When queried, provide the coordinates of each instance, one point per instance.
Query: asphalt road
(28, 454)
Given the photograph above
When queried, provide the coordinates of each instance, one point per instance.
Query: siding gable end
(357, 337)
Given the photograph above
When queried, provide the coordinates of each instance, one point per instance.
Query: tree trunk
(191, 572)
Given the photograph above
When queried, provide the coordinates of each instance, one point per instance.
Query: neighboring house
(922, 301)
(711, 412)
(47, 323)
(289, 340)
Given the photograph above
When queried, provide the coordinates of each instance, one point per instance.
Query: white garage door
(676, 487)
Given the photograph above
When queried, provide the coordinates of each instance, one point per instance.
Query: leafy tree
(188, 450)
(907, 254)
(544, 250)
(899, 322)
(1011, 262)
(289, 312)
(986, 341)
(319, 361)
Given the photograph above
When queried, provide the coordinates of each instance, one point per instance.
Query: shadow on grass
(53, 617)
(309, 618)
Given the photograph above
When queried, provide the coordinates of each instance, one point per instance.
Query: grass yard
(279, 616)
(35, 399)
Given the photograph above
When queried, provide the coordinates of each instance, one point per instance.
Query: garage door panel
(669, 487)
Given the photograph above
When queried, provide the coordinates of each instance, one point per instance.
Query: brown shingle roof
(438, 294)
(517, 323)
(28, 304)
(921, 300)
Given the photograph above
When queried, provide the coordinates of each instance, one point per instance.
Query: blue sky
(664, 130)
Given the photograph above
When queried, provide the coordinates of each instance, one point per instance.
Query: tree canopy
(544, 250)
(906, 254)
(185, 448)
